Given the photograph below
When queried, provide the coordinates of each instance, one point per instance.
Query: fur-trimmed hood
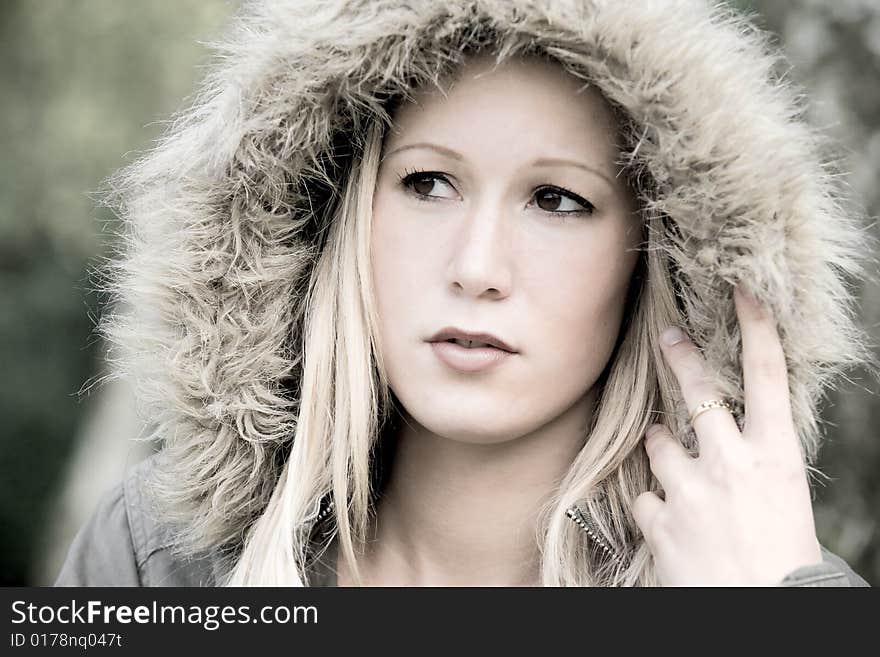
(223, 218)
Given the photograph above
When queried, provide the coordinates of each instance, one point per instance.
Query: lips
(465, 338)
(469, 360)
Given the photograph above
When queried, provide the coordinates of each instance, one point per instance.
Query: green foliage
(84, 82)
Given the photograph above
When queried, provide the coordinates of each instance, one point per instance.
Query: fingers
(712, 427)
(647, 507)
(765, 372)
(668, 458)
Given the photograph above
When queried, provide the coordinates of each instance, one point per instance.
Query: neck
(465, 514)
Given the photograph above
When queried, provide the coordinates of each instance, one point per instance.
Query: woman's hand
(740, 513)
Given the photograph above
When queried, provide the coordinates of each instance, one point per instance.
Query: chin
(479, 426)
(473, 435)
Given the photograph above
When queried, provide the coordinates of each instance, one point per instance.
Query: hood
(222, 218)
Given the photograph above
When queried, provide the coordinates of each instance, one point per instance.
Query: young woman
(480, 293)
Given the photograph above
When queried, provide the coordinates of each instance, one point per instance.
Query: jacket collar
(582, 519)
(577, 514)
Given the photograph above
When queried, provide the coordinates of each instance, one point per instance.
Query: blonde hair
(345, 402)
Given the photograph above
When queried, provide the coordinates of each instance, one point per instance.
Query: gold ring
(708, 405)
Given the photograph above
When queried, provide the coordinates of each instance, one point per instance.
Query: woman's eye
(428, 186)
(560, 201)
(424, 184)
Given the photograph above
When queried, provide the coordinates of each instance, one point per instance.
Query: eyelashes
(410, 177)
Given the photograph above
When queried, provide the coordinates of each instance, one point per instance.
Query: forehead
(522, 104)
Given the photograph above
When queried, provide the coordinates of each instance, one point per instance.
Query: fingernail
(747, 294)
(673, 335)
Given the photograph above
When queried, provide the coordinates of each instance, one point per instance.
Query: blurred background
(87, 84)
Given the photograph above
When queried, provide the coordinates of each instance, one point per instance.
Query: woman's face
(498, 210)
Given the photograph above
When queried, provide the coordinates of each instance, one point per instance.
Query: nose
(480, 265)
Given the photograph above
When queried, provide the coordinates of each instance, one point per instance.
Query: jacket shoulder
(102, 553)
(123, 544)
(833, 571)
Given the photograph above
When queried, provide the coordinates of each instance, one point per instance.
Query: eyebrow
(542, 161)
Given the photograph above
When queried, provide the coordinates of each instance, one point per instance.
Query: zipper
(581, 519)
(325, 511)
(584, 521)
(325, 507)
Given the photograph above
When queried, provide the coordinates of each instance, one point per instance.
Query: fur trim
(223, 217)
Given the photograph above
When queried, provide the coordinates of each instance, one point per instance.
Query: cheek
(579, 297)
(398, 268)
(399, 242)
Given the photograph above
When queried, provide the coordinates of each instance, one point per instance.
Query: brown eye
(558, 201)
(549, 201)
(427, 185)
(422, 185)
